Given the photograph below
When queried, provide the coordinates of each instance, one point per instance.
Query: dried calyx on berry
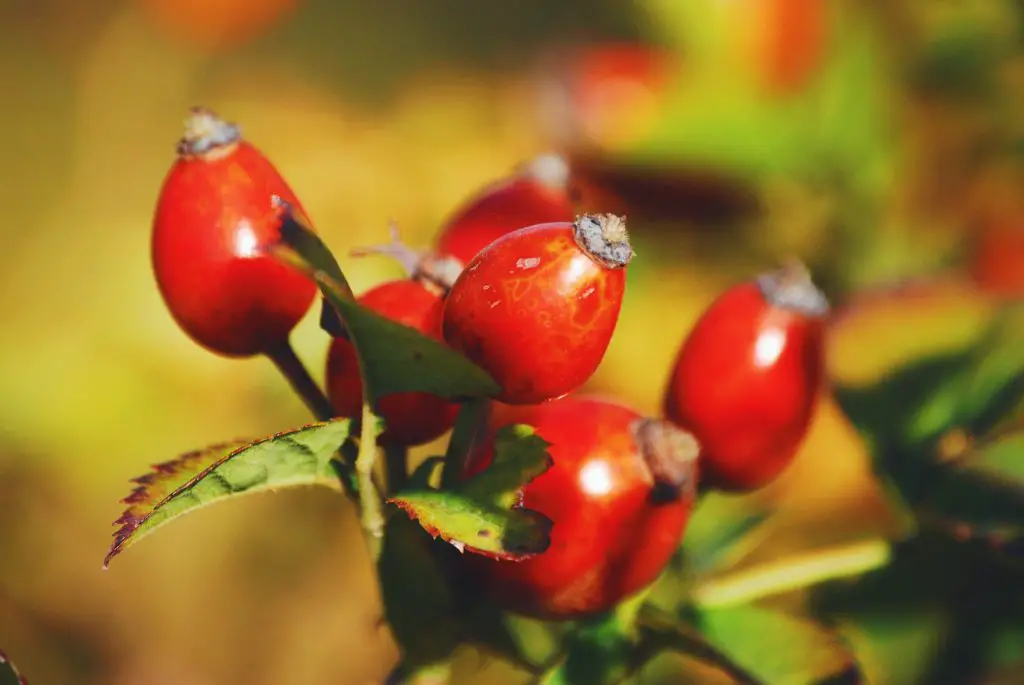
(604, 238)
(670, 454)
(206, 134)
(791, 288)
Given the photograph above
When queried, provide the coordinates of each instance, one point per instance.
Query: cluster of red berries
(530, 290)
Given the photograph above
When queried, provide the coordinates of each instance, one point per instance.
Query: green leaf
(970, 389)
(721, 530)
(940, 612)
(484, 514)
(911, 404)
(393, 358)
(293, 458)
(981, 494)
(661, 631)
(600, 653)
(776, 648)
(419, 604)
(8, 673)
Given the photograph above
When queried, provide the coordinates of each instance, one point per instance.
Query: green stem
(371, 514)
(396, 458)
(468, 427)
(291, 367)
(790, 574)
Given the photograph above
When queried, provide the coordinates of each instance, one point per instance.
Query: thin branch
(469, 425)
(291, 367)
(371, 515)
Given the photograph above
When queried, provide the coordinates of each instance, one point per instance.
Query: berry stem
(796, 572)
(468, 429)
(396, 458)
(292, 368)
(371, 515)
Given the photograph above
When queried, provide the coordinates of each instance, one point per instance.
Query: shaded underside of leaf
(288, 459)
(719, 531)
(520, 455)
(941, 612)
(982, 493)
(418, 602)
(483, 514)
(393, 358)
(970, 389)
(777, 648)
(484, 529)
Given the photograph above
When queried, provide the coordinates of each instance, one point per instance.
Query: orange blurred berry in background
(617, 90)
(608, 95)
(997, 264)
(217, 24)
(786, 41)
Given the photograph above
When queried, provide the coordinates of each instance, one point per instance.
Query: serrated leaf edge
(128, 522)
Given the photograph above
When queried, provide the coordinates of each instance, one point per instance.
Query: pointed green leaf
(8, 673)
(483, 514)
(971, 389)
(981, 494)
(393, 358)
(660, 630)
(911, 404)
(721, 530)
(419, 604)
(601, 652)
(940, 612)
(289, 459)
(520, 455)
(777, 648)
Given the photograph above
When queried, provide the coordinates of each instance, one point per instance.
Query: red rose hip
(537, 308)
(411, 418)
(215, 215)
(748, 377)
(537, 193)
(619, 493)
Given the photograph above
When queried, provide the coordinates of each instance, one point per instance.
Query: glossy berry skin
(614, 531)
(412, 418)
(537, 308)
(748, 377)
(537, 193)
(215, 214)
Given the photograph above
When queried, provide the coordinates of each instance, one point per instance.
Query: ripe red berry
(215, 215)
(619, 494)
(748, 377)
(537, 193)
(411, 418)
(537, 308)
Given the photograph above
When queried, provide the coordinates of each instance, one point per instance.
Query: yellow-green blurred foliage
(373, 112)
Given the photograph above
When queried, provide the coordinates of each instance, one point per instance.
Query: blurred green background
(880, 141)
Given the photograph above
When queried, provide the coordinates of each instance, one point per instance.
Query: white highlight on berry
(769, 346)
(246, 243)
(596, 478)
